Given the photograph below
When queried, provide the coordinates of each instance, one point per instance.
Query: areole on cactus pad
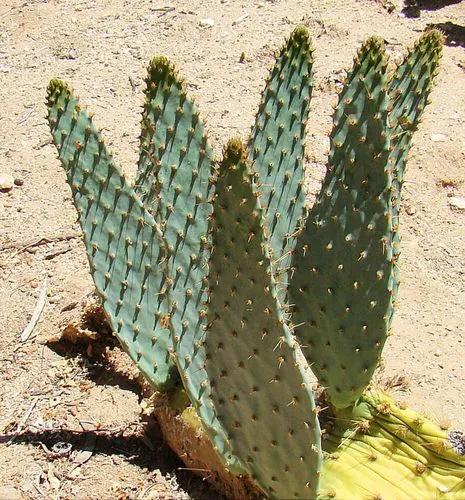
(212, 274)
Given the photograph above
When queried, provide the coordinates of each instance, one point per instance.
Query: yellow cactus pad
(378, 450)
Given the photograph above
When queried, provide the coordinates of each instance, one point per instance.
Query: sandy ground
(102, 48)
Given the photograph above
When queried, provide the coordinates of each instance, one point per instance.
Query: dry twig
(37, 312)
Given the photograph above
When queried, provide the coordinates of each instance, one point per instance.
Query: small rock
(457, 440)
(6, 182)
(457, 202)
(438, 137)
(410, 209)
(207, 22)
(18, 181)
(54, 298)
(72, 54)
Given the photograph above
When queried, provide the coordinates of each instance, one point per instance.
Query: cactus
(254, 295)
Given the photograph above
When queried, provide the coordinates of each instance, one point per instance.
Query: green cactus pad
(409, 92)
(379, 449)
(277, 148)
(260, 383)
(173, 145)
(176, 166)
(342, 285)
(123, 243)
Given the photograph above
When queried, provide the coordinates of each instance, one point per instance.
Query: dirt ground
(70, 425)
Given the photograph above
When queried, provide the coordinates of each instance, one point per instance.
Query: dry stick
(41, 241)
(56, 253)
(22, 424)
(37, 312)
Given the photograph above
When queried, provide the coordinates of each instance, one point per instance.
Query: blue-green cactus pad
(409, 91)
(259, 380)
(277, 148)
(175, 178)
(342, 286)
(124, 245)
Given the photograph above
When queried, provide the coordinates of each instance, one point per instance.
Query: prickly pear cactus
(343, 275)
(206, 251)
(124, 245)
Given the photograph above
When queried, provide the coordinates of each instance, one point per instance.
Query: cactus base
(185, 435)
(377, 450)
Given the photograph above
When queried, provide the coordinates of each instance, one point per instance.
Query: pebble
(438, 137)
(457, 440)
(54, 298)
(72, 54)
(6, 182)
(18, 181)
(207, 22)
(410, 209)
(457, 202)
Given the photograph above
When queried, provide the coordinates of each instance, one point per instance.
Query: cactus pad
(123, 243)
(175, 178)
(409, 92)
(259, 380)
(277, 148)
(342, 283)
(378, 449)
